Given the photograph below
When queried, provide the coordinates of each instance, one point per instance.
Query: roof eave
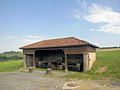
(93, 45)
(63, 46)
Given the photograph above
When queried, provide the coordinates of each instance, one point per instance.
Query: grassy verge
(40, 69)
(109, 61)
(11, 65)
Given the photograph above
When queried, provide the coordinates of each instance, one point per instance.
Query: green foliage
(11, 55)
(11, 65)
(109, 60)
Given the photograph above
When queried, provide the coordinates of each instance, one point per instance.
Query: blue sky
(27, 21)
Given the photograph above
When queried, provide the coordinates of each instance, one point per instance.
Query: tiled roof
(60, 42)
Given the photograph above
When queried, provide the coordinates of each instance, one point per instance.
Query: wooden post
(66, 65)
(85, 62)
(30, 69)
(28, 61)
(48, 71)
(34, 60)
(25, 61)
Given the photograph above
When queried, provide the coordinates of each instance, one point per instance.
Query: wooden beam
(25, 61)
(66, 65)
(34, 60)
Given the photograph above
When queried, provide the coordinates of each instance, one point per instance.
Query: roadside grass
(11, 65)
(109, 60)
(40, 69)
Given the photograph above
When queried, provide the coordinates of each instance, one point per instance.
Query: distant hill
(107, 49)
(11, 55)
(13, 52)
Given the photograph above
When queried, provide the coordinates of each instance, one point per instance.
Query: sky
(26, 21)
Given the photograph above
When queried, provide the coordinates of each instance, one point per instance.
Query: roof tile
(56, 43)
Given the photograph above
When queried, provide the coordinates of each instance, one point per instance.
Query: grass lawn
(10, 65)
(110, 60)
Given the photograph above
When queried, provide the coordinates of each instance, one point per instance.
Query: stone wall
(91, 59)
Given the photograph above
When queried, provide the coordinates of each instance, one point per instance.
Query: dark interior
(55, 60)
(75, 62)
(50, 58)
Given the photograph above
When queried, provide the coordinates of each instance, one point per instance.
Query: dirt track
(38, 81)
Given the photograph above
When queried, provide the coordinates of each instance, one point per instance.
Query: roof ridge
(58, 38)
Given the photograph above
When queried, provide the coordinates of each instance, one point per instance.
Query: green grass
(109, 55)
(41, 69)
(11, 65)
(109, 60)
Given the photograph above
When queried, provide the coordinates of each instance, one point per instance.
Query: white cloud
(93, 30)
(76, 14)
(99, 14)
(111, 28)
(82, 3)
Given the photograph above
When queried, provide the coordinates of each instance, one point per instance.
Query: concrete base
(66, 70)
(70, 86)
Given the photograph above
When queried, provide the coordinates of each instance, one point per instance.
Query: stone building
(63, 53)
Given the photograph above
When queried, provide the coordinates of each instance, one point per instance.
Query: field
(11, 61)
(106, 49)
(11, 65)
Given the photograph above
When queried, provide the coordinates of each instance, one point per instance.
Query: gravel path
(28, 81)
(39, 81)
